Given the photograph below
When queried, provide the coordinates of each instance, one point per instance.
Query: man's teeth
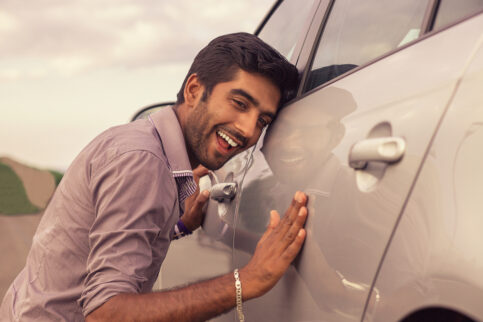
(227, 139)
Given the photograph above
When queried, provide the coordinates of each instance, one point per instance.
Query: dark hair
(219, 61)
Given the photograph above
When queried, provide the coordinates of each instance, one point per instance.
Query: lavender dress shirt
(109, 224)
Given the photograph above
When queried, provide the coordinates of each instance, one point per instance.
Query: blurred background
(71, 69)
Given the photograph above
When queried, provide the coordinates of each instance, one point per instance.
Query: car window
(283, 29)
(359, 31)
(452, 10)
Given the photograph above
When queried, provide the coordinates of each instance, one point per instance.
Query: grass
(57, 176)
(13, 198)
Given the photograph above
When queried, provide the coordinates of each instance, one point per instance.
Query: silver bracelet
(239, 308)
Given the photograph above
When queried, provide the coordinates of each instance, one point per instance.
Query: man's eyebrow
(239, 91)
(254, 101)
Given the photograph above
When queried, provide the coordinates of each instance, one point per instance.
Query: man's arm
(277, 248)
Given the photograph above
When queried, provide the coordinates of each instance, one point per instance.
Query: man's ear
(193, 90)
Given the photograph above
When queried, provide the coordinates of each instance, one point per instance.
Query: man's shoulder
(135, 138)
(140, 135)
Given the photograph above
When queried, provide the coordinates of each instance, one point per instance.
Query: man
(106, 231)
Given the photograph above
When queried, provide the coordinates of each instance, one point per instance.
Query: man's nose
(247, 124)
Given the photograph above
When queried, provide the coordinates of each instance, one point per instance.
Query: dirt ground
(17, 231)
(16, 234)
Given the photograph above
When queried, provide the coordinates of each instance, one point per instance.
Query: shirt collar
(172, 138)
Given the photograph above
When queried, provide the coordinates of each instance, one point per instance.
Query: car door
(354, 142)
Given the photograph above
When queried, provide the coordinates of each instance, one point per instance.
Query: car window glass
(452, 10)
(283, 29)
(359, 31)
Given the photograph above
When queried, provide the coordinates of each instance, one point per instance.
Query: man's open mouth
(225, 141)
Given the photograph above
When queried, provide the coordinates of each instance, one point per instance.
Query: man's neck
(179, 110)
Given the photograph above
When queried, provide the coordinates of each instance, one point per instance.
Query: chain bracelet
(239, 308)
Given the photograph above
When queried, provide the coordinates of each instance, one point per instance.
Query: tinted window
(359, 31)
(452, 10)
(282, 30)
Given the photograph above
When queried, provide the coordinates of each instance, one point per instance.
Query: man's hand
(277, 248)
(193, 215)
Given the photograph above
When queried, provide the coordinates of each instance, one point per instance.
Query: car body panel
(435, 257)
(352, 213)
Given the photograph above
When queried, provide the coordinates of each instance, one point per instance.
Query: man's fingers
(274, 221)
(299, 201)
(200, 171)
(297, 224)
(284, 231)
(190, 202)
(294, 248)
(196, 207)
(283, 237)
(295, 236)
(193, 216)
(201, 199)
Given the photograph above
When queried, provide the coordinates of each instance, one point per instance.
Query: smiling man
(214, 132)
(131, 191)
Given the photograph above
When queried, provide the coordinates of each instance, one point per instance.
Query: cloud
(7, 22)
(68, 37)
(70, 69)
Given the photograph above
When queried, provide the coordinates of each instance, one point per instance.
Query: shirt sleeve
(134, 196)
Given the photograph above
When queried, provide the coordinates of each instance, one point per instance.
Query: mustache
(237, 135)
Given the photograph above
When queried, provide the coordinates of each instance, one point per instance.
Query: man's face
(231, 119)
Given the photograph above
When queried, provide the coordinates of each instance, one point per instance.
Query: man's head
(219, 61)
(232, 91)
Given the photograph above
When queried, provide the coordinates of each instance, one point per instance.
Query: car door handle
(388, 150)
(223, 191)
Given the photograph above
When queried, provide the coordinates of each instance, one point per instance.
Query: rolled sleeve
(135, 197)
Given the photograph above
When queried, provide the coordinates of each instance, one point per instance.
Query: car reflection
(300, 157)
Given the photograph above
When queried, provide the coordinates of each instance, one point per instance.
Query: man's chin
(218, 160)
(213, 164)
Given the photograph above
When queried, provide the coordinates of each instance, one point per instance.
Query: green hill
(13, 199)
(24, 189)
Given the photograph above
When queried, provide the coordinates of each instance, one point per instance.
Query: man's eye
(263, 122)
(240, 104)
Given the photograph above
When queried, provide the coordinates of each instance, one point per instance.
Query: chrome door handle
(388, 150)
(223, 191)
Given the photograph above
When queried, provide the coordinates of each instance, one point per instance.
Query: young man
(106, 231)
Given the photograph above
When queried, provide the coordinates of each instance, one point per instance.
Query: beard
(197, 137)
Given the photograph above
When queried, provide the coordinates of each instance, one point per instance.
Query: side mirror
(146, 111)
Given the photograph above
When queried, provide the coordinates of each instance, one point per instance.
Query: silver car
(385, 136)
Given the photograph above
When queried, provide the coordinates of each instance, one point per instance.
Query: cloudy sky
(70, 69)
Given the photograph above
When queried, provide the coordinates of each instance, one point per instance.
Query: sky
(71, 69)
